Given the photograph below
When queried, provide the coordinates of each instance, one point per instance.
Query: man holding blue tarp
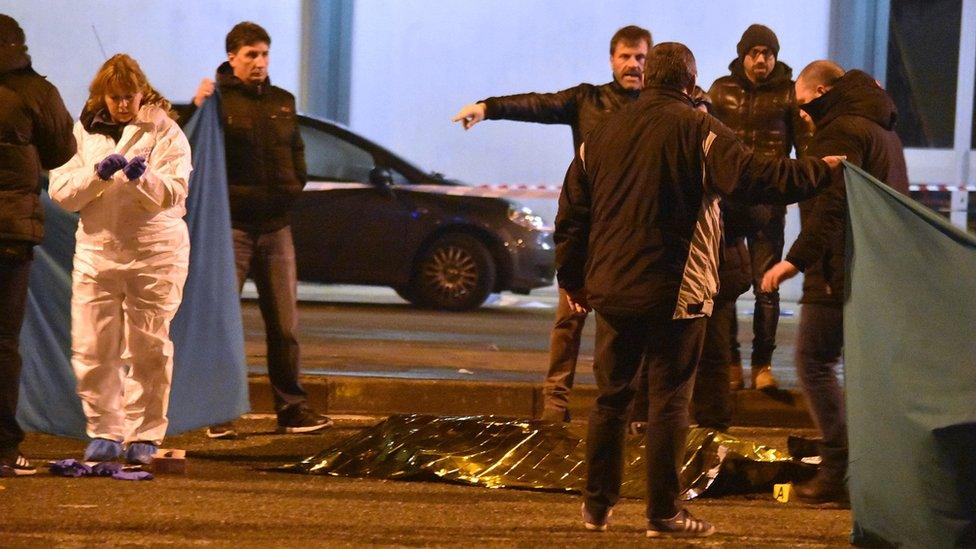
(265, 176)
(854, 117)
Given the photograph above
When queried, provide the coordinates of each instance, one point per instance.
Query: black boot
(824, 487)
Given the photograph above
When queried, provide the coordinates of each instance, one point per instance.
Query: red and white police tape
(487, 191)
(532, 191)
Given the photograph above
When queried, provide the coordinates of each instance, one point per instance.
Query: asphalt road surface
(356, 330)
(229, 498)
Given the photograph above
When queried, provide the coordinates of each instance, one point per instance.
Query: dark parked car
(368, 216)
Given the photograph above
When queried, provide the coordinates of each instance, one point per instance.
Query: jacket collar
(13, 58)
(226, 79)
(667, 93)
(620, 90)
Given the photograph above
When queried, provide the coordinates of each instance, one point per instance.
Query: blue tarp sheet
(910, 369)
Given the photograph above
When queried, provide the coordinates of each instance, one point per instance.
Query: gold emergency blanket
(497, 452)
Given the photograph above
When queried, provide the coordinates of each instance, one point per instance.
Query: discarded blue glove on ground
(74, 468)
(70, 468)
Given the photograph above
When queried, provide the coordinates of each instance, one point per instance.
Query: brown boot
(762, 378)
(735, 377)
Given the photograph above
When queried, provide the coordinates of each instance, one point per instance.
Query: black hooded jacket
(856, 118)
(265, 152)
(35, 133)
(581, 107)
(639, 223)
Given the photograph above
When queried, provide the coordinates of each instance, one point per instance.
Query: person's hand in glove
(109, 165)
(135, 168)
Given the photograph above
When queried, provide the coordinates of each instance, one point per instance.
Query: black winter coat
(856, 118)
(35, 133)
(265, 152)
(764, 115)
(639, 224)
(581, 107)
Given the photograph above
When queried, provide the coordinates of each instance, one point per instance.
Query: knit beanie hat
(757, 35)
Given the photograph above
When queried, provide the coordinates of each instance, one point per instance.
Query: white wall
(416, 62)
(176, 43)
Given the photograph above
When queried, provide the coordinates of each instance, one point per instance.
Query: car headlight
(523, 216)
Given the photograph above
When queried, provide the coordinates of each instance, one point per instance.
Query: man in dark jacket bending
(581, 107)
(637, 238)
(35, 131)
(854, 117)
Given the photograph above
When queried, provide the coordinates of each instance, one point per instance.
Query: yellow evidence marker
(782, 492)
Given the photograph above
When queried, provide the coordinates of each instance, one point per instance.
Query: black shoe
(824, 487)
(680, 525)
(16, 467)
(301, 419)
(596, 522)
(223, 431)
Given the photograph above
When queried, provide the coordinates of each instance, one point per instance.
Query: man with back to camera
(637, 238)
(855, 117)
(581, 107)
(265, 176)
(35, 132)
(758, 102)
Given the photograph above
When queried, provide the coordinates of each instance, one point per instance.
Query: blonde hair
(122, 73)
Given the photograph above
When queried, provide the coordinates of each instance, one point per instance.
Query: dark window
(334, 159)
(923, 61)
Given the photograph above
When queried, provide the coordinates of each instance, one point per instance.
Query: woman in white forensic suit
(129, 182)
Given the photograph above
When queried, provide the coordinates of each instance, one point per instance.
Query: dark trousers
(669, 351)
(820, 340)
(269, 260)
(712, 398)
(15, 263)
(765, 250)
(564, 344)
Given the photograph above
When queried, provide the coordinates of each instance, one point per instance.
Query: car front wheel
(455, 273)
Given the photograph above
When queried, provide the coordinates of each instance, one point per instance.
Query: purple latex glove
(70, 468)
(106, 469)
(132, 475)
(135, 168)
(109, 165)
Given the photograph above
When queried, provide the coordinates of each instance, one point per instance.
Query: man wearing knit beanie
(758, 102)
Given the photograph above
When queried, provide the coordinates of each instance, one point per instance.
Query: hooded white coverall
(131, 259)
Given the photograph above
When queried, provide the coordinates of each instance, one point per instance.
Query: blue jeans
(269, 260)
(820, 340)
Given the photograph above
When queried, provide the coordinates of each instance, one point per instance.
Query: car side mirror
(381, 177)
